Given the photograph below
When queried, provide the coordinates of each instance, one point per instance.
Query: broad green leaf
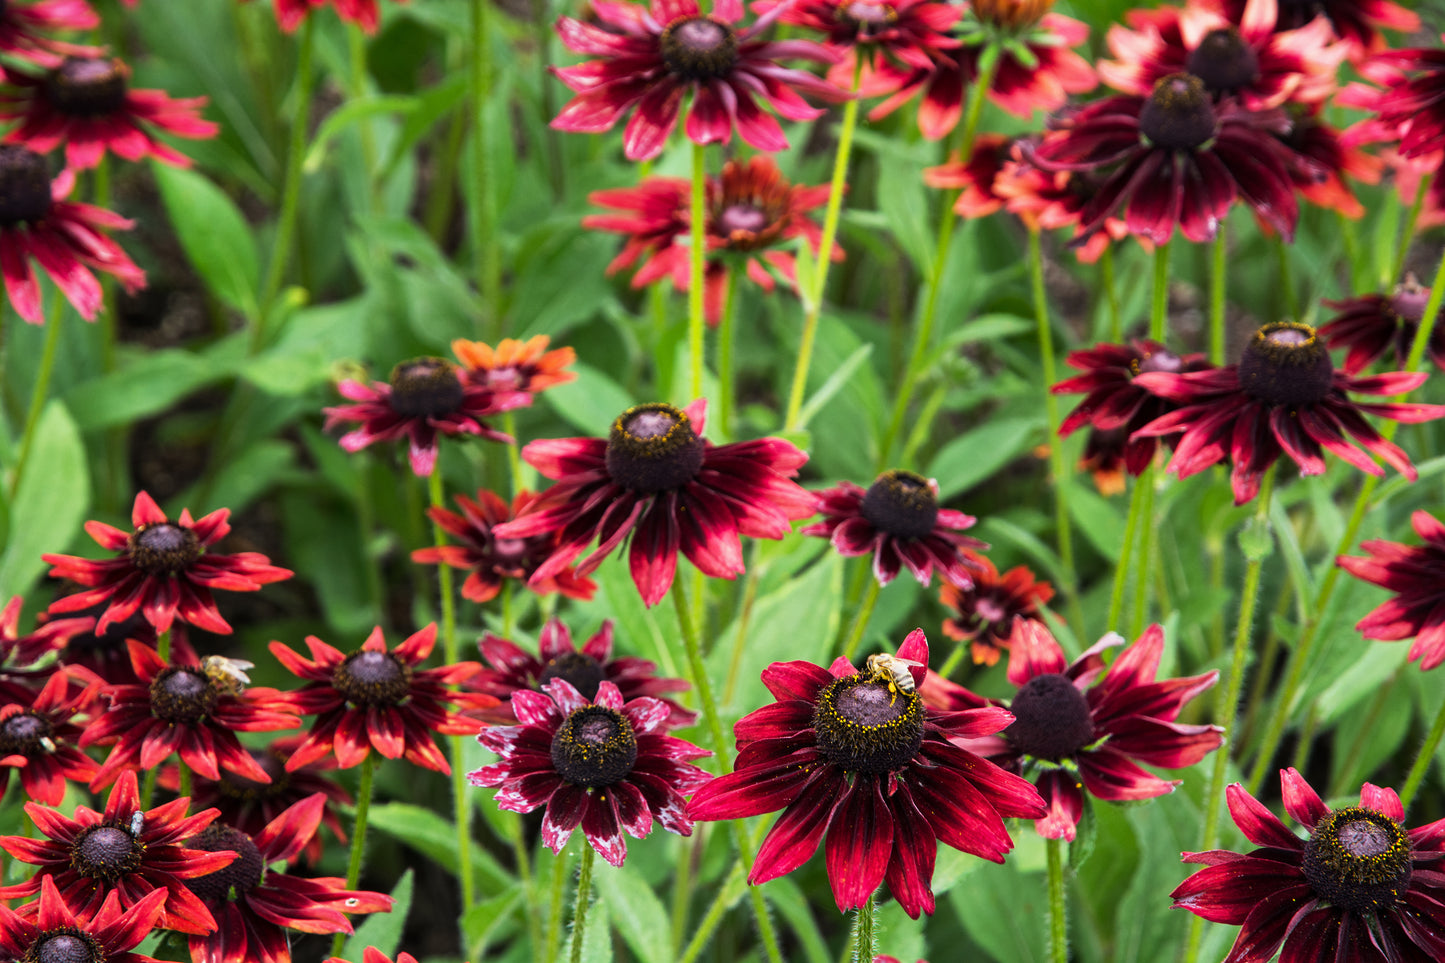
(51, 503)
(979, 452)
(591, 403)
(141, 387)
(383, 930)
(354, 111)
(433, 835)
(215, 235)
(483, 917)
(636, 911)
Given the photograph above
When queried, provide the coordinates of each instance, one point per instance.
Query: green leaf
(214, 234)
(354, 111)
(1256, 541)
(382, 931)
(638, 914)
(835, 381)
(150, 383)
(591, 403)
(425, 831)
(979, 452)
(50, 504)
(484, 916)
(793, 905)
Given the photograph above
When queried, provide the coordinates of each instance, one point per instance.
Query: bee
(894, 671)
(137, 822)
(229, 675)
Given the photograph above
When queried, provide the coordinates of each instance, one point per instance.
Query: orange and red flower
(983, 615)
(516, 365)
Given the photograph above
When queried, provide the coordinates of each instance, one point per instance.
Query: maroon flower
(516, 365)
(859, 758)
(515, 670)
(1051, 200)
(1246, 58)
(1414, 573)
(86, 104)
(255, 905)
(58, 934)
(1115, 405)
(602, 764)
(975, 179)
(182, 709)
(1076, 734)
(897, 520)
(372, 955)
(983, 615)
(1320, 160)
(1414, 106)
(21, 651)
(652, 56)
(1174, 158)
(375, 699)
(106, 653)
(122, 850)
(490, 560)
(38, 737)
(26, 30)
(754, 219)
(1356, 22)
(655, 479)
(364, 13)
(163, 571)
(1284, 396)
(1361, 888)
(425, 397)
(1372, 324)
(64, 238)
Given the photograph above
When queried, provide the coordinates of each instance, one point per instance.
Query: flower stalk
(41, 390)
(697, 271)
(584, 899)
(1058, 921)
(358, 835)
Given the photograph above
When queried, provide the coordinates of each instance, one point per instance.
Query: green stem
(1111, 293)
(183, 772)
(358, 835)
(439, 206)
(726, 336)
(859, 625)
(1058, 922)
(1144, 555)
(682, 886)
(923, 336)
(745, 615)
(953, 660)
(484, 219)
(863, 932)
(163, 646)
(711, 918)
(1227, 706)
(584, 899)
(41, 390)
(697, 273)
(1286, 279)
(523, 860)
(1423, 760)
(514, 455)
(1131, 532)
(1397, 263)
(1217, 276)
(554, 928)
(356, 51)
(1159, 305)
(814, 298)
(148, 787)
(1056, 444)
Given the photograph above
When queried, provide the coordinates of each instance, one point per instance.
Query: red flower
(372, 955)
(1414, 106)
(984, 615)
(1174, 158)
(255, 905)
(1050, 200)
(1075, 733)
(58, 933)
(1414, 573)
(26, 28)
(516, 365)
(375, 699)
(365, 13)
(491, 560)
(1319, 160)
(181, 709)
(1361, 888)
(1284, 396)
(164, 570)
(1356, 22)
(514, 670)
(20, 651)
(652, 56)
(1372, 324)
(64, 238)
(425, 397)
(858, 758)
(1116, 405)
(38, 738)
(602, 764)
(897, 520)
(106, 653)
(754, 218)
(975, 179)
(1244, 57)
(655, 479)
(122, 850)
(86, 104)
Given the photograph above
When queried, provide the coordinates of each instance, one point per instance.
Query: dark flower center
(65, 945)
(1358, 859)
(1179, 114)
(866, 726)
(1223, 61)
(1161, 360)
(369, 678)
(652, 448)
(87, 87)
(426, 388)
(902, 504)
(24, 186)
(1409, 301)
(1286, 364)
(594, 747)
(581, 670)
(182, 695)
(868, 16)
(105, 852)
(742, 217)
(247, 790)
(230, 881)
(1051, 718)
(699, 48)
(163, 548)
(24, 733)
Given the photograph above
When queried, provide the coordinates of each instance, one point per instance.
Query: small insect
(229, 675)
(893, 671)
(137, 822)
